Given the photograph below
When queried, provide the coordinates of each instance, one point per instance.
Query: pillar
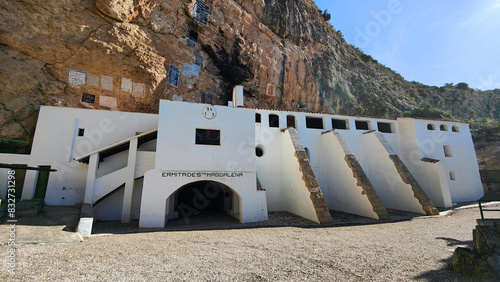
(129, 181)
(91, 177)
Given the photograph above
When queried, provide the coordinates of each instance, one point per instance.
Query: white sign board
(76, 77)
(109, 102)
(106, 82)
(139, 90)
(126, 84)
(92, 80)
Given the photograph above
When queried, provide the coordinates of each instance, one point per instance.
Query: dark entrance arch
(203, 202)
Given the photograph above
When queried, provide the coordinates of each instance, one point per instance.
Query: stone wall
(483, 261)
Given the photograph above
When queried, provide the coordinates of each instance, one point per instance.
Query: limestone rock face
(128, 54)
(126, 10)
(122, 10)
(487, 145)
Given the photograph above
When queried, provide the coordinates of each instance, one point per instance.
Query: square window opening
(340, 124)
(384, 127)
(207, 137)
(193, 35)
(290, 121)
(274, 120)
(314, 122)
(447, 151)
(257, 118)
(81, 131)
(362, 125)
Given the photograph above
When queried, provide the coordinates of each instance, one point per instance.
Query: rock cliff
(128, 54)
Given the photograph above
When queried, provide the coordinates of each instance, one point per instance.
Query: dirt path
(416, 249)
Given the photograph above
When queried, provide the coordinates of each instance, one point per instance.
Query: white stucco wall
(338, 183)
(431, 177)
(296, 195)
(271, 163)
(157, 189)
(410, 139)
(434, 175)
(178, 153)
(385, 178)
(111, 207)
(56, 144)
(467, 185)
(176, 148)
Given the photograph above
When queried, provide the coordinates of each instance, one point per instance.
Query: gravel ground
(418, 248)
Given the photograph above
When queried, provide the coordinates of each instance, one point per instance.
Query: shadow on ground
(221, 221)
(61, 222)
(51, 225)
(450, 242)
(442, 274)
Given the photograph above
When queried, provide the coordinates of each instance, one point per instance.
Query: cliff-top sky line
(432, 42)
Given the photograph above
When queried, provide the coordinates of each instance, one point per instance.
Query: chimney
(238, 96)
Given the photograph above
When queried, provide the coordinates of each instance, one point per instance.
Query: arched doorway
(203, 202)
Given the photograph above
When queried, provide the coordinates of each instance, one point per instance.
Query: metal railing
(482, 210)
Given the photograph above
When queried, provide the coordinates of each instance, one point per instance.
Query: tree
(326, 15)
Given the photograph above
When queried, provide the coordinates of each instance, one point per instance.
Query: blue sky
(429, 41)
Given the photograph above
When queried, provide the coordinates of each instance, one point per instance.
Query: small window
(384, 127)
(431, 126)
(81, 131)
(207, 137)
(362, 125)
(257, 118)
(447, 151)
(259, 151)
(452, 175)
(340, 124)
(270, 90)
(455, 128)
(443, 127)
(206, 97)
(193, 35)
(314, 122)
(290, 121)
(274, 120)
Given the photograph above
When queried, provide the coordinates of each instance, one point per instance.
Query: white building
(245, 162)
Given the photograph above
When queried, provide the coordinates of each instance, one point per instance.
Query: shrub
(339, 33)
(276, 29)
(485, 125)
(428, 111)
(330, 27)
(462, 86)
(366, 58)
